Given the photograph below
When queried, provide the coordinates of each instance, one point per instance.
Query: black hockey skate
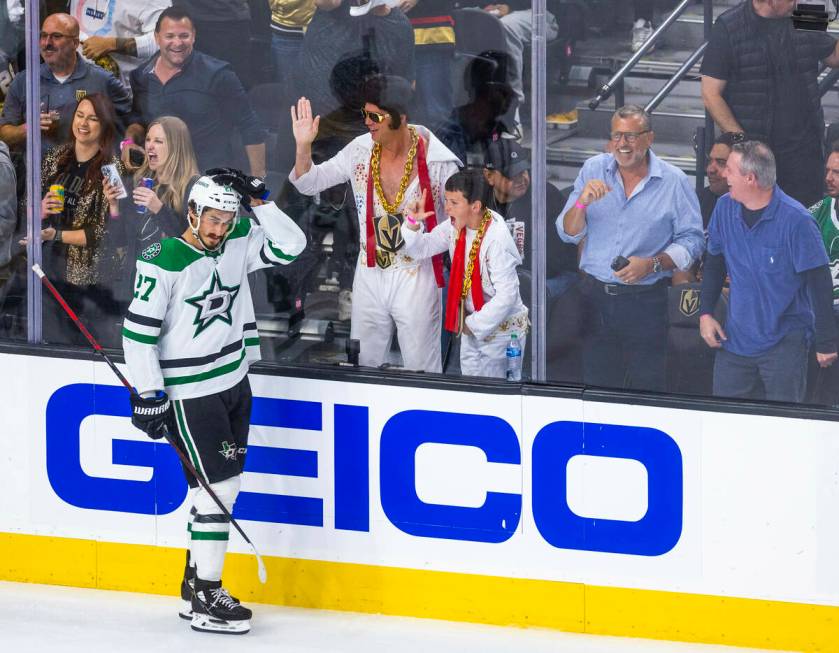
(215, 611)
(186, 590)
(187, 585)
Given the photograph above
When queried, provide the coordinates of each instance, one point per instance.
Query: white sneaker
(641, 31)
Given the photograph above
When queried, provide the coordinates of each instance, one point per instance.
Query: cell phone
(619, 263)
(110, 171)
(136, 157)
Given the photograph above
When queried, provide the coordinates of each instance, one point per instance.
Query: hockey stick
(263, 574)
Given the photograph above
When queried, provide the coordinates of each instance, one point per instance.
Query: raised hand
(305, 127)
(593, 191)
(414, 210)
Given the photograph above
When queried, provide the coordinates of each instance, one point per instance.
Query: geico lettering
(496, 520)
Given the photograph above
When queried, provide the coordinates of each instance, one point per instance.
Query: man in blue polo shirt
(781, 291)
(630, 204)
(65, 79)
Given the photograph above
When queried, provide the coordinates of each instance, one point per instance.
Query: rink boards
(478, 506)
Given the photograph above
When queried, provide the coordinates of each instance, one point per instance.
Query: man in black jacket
(199, 89)
(759, 81)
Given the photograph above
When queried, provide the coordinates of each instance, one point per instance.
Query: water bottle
(514, 359)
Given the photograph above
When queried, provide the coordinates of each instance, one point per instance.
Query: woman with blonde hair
(170, 163)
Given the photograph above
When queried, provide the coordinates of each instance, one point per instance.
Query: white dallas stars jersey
(190, 328)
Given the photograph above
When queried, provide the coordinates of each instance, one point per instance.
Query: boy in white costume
(389, 168)
(483, 304)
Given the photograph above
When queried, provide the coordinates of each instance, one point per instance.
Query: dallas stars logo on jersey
(214, 304)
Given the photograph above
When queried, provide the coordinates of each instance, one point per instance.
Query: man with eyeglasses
(390, 167)
(639, 218)
(65, 78)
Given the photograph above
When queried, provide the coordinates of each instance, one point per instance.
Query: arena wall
(486, 506)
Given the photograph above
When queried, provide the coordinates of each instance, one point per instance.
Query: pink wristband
(579, 205)
(122, 144)
(410, 219)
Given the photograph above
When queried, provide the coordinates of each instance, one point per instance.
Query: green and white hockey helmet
(208, 194)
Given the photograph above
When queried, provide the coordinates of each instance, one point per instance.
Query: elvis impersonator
(389, 167)
(189, 337)
(483, 303)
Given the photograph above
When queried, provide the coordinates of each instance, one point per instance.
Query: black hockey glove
(246, 185)
(153, 415)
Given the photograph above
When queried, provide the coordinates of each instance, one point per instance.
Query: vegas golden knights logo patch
(81, 94)
(689, 302)
(389, 239)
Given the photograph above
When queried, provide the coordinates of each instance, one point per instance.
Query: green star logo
(214, 304)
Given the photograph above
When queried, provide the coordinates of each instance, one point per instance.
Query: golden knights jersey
(190, 328)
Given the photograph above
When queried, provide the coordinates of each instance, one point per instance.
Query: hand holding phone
(619, 263)
(109, 170)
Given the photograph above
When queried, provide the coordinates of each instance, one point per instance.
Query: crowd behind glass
(140, 98)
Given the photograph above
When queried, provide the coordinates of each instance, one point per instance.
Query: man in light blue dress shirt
(639, 219)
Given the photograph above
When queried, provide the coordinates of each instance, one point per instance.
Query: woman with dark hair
(74, 226)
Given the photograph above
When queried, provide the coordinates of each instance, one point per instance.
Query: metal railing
(616, 82)
(704, 136)
(677, 77)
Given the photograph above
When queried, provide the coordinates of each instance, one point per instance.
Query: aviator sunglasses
(374, 116)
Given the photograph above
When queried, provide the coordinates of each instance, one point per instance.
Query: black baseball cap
(508, 157)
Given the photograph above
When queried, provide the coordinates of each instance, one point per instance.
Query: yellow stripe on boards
(570, 607)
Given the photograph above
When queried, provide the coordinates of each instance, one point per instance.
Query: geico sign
(655, 533)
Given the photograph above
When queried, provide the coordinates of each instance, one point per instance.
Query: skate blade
(186, 610)
(207, 624)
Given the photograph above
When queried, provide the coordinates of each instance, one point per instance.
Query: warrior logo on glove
(152, 415)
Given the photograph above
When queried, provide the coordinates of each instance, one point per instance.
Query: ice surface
(71, 620)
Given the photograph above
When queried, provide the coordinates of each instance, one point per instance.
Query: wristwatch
(656, 264)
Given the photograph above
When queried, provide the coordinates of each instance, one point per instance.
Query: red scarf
(458, 271)
(430, 221)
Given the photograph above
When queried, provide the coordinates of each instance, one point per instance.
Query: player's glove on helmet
(152, 415)
(246, 185)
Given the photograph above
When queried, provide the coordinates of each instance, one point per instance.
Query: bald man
(65, 78)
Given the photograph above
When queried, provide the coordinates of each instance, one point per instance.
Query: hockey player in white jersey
(189, 337)
(388, 167)
(483, 304)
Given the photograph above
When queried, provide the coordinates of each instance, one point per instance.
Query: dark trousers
(779, 374)
(823, 382)
(626, 342)
(801, 173)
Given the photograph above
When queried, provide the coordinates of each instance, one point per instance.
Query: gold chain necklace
(473, 253)
(375, 162)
